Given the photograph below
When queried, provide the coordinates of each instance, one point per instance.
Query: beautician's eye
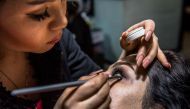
(41, 16)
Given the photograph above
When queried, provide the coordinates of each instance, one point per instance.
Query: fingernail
(94, 74)
(97, 72)
(124, 34)
(147, 37)
(169, 65)
(137, 57)
(146, 63)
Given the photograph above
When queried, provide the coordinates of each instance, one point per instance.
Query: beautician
(36, 49)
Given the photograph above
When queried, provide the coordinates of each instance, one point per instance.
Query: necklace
(5, 75)
(26, 81)
(26, 84)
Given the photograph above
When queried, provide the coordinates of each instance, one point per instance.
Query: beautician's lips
(54, 40)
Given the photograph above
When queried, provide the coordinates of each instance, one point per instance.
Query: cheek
(118, 94)
(126, 96)
(23, 34)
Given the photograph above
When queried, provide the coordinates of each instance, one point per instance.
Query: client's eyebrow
(38, 2)
(123, 63)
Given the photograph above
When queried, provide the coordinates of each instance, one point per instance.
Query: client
(153, 88)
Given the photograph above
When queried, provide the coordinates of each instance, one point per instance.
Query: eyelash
(41, 16)
(117, 71)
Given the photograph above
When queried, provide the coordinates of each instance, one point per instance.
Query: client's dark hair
(168, 88)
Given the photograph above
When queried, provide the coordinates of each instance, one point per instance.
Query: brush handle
(53, 87)
(46, 88)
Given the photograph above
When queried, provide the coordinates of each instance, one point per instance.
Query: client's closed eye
(119, 71)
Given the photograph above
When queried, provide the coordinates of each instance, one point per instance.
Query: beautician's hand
(94, 94)
(147, 47)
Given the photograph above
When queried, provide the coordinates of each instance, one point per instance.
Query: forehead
(128, 60)
(33, 2)
(38, 1)
(131, 58)
(30, 1)
(24, 6)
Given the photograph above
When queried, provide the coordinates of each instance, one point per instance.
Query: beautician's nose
(59, 22)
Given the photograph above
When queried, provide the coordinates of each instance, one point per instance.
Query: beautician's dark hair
(2, 1)
(168, 88)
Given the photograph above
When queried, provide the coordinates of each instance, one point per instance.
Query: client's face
(127, 93)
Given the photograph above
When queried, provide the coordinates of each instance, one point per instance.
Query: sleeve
(79, 63)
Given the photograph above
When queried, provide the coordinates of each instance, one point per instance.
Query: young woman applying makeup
(36, 49)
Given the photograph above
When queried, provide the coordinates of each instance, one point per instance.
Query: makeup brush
(53, 87)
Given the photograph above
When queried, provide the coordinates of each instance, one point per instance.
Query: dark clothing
(10, 102)
(65, 62)
(81, 29)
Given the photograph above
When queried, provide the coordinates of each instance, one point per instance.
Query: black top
(81, 29)
(65, 62)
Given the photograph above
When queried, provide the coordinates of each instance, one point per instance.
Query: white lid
(136, 34)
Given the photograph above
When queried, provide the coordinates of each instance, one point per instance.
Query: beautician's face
(128, 93)
(31, 25)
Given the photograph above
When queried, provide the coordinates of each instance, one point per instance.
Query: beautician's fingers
(149, 26)
(123, 54)
(142, 51)
(62, 102)
(124, 34)
(97, 72)
(152, 52)
(98, 99)
(162, 58)
(128, 46)
(155, 51)
(123, 42)
(141, 55)
(106, 103)
(91, 87)
(69, 91)
(68, 99)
